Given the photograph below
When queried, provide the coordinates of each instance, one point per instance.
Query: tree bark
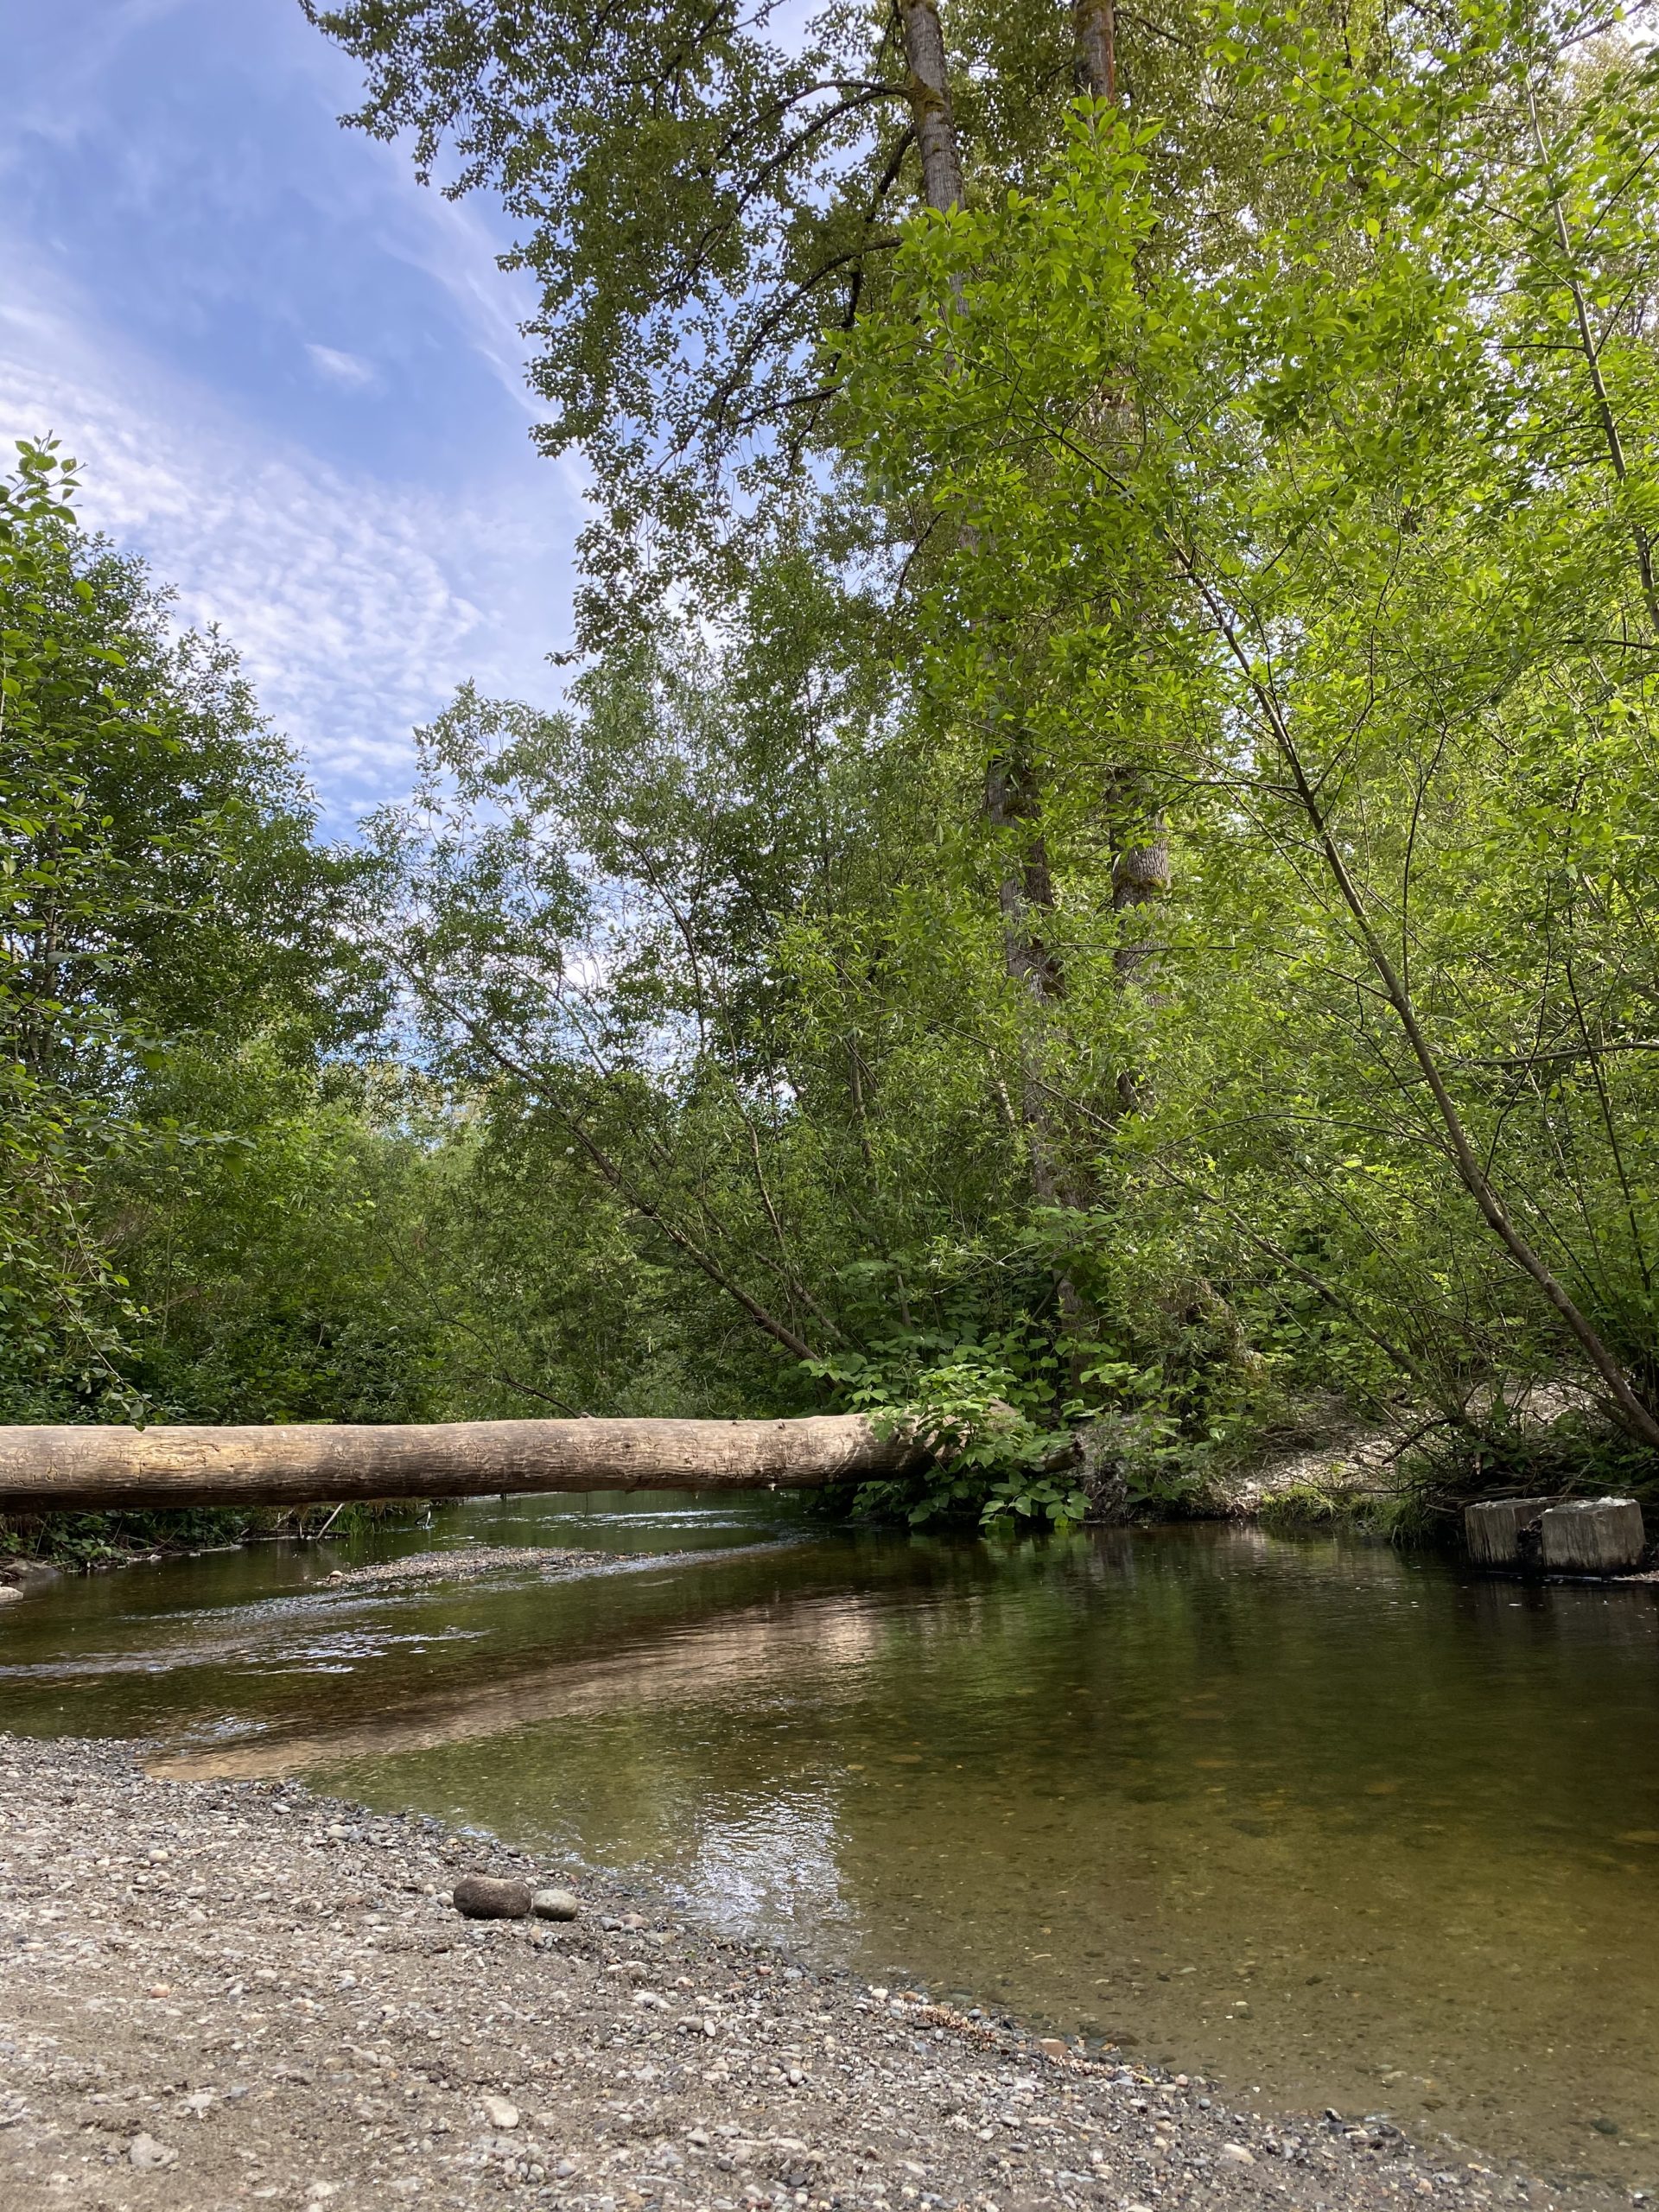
(1094, 28)
(1139, 875)
(1025, 895)
(101, 1470)
(932, 117)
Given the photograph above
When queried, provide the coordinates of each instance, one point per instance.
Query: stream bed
(1336, 1824)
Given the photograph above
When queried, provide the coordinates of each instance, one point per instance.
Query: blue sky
(293, 376)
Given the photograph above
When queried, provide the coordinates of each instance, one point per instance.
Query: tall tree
(160, 883)
(1392, 464)
(700, 199)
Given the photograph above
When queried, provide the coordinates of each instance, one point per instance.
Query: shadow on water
(1337, 1823)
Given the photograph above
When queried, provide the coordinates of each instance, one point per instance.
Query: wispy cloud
(357, 605)
(294, 377)
(350, 369)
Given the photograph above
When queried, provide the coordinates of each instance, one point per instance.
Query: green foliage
(267, 1228)
(989, 1412)
(90, 1540)
(160, 886)
(85, 1541)
(1302, 1506)
(1270, 460)
(1380, 550)
(1112, 907)
(699, 193)
(55, 1288)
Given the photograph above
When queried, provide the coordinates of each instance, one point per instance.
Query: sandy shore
(221, 1993)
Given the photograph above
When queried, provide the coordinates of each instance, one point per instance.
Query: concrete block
(1593, 1536)
(1493, 1529)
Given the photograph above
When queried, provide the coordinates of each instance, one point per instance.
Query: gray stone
(1493, 1529)
(554, 1905)
(147, 2154)
(489, 1897)
(1593, 1536)
(7, 1595)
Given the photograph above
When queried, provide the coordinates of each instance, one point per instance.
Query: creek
(1332, 1823)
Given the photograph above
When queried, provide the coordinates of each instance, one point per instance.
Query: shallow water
(1334, 1824)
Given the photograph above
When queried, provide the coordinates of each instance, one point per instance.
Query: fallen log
(97, 1470)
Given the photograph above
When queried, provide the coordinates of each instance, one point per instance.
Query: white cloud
(348, 369)
(358, 604)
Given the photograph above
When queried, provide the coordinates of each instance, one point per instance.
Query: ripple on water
(1318, 1817)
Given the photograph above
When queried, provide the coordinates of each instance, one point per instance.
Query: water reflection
(1318, 1817)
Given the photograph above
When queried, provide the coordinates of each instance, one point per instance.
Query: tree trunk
(1025, 893)
(1140, 874)
(101, 1469)
(1025, 896)
(1011, 795)
(1096, 31)
(931, 115)
(1139, 870)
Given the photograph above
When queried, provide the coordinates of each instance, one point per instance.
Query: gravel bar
(471, 1562)
(226, 1993)
(467, 1563)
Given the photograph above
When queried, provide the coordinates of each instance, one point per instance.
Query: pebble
(489, 1897)
(554, 1905)
(331, 2020)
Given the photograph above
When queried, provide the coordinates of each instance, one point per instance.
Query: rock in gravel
(30, 1573)
(489, 1897)
(354, 2051)
(554, 1905)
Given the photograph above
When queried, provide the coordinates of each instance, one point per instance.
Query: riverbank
(89, 1543)
(222, 1993)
